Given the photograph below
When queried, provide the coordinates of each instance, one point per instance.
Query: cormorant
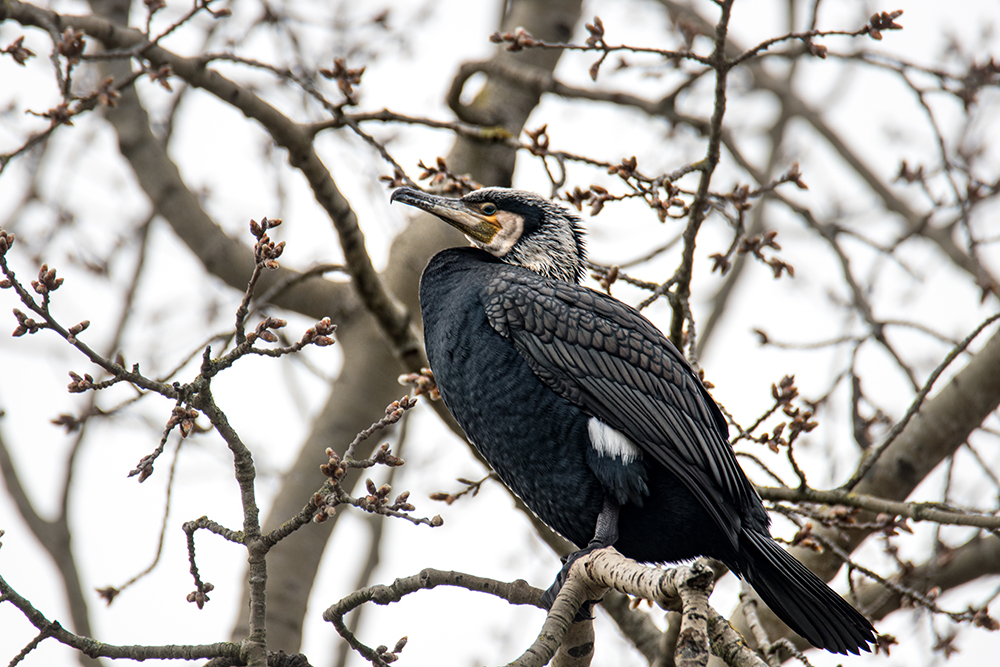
(590, 414)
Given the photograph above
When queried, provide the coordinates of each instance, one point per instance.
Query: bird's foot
(549, 596)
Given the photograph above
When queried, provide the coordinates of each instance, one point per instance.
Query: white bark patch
(606, 441)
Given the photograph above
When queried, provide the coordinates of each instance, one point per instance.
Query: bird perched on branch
(589, 413)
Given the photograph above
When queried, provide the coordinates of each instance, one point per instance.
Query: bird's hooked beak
(466, 218)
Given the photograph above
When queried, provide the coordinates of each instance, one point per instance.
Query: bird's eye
(489, 209)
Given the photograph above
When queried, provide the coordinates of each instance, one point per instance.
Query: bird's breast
(534, 439)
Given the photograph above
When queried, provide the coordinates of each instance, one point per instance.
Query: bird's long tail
(801, 600)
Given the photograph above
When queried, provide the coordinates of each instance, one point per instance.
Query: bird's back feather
(605, 357)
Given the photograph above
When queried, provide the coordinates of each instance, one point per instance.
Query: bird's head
(518, 227)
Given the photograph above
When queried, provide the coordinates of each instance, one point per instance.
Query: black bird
(589, 413)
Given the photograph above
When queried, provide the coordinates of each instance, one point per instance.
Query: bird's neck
(556, 265)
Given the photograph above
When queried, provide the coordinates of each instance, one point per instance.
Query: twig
(518, 592)
(96, 649)
(894, 432)
(935, 512)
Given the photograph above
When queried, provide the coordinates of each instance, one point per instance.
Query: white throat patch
(606, 441)
(511, 229)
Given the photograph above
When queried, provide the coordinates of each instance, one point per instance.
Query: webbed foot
(549, 596)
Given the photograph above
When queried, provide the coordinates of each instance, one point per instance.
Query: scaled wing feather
(608, 359)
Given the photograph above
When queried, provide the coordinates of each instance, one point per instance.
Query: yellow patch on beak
(471, 220)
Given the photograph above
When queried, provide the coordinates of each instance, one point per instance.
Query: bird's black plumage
(580, 404)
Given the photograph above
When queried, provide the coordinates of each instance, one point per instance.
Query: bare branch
(96, 649)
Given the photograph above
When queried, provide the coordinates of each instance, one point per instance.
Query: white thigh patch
(606, 441)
